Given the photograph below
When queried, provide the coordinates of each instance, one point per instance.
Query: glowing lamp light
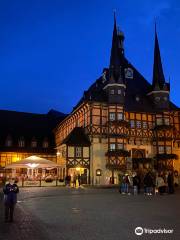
(78, 169)
(58, 153)
(32, 165)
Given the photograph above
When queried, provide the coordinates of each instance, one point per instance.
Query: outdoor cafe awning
(33, 162)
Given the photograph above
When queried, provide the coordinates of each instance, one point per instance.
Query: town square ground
(60, 213)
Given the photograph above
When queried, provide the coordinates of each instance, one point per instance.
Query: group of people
(151, 183)
(75, 180)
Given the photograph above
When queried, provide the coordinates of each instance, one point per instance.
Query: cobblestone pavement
(90, 214)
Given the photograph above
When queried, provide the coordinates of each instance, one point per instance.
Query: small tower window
(157, 99)
(112, 91)
(119, 91)
(128, 73)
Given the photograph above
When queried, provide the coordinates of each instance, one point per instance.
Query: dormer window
(112, 91)
(128, 73)
(45, 144)
(9, 141)
(34, 143)
(21, 142)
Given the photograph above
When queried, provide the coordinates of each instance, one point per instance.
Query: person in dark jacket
(170, 181)
(148, 184)
(10, 198)
(135, 184)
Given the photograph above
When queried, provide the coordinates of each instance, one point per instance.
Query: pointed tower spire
(158, 75)
(117, 46)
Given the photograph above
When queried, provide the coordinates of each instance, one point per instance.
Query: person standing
(148, 184)
(160, 184)
(170, 182)
(10, 199)
(135, 184)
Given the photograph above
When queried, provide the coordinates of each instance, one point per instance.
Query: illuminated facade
(128, 123)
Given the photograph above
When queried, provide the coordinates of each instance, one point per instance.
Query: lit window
(128, 73)
(132, 123)
(166, 121)
(144, 124)
(112, 91)
(45, 144)
(112, 146)
(168, 149)
(112, 116)
(120, 116)
(161, 149)
(119, 91)
(78, 152)
(138, 124)
(159, 121)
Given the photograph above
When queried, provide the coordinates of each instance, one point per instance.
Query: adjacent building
(121, 123)
(25, 134)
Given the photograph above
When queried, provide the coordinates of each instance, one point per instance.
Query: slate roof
(77, 137)
(136, 87)
(28, 125)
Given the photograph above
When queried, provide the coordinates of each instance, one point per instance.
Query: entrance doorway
(83, 174)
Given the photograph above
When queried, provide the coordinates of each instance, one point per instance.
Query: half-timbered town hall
(122, 123)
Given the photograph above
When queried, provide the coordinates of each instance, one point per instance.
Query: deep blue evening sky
(52, 50)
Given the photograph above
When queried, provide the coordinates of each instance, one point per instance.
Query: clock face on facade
(128, 73)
